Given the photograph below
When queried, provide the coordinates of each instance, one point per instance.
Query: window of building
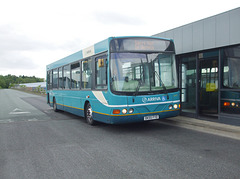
(101, 72)
(66, 77)
(231, 64)
(75, 70)
(86, 74)
(188, 83)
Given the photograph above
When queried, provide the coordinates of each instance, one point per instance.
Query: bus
(118, 80)
(230, 92)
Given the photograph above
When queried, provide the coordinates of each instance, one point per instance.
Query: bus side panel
(100, 111)
(50, 100)
(72, 102)
(75, 111)
(77, 103)
(59, 99)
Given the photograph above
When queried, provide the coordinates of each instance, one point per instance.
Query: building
(208, 57)
(36, 87)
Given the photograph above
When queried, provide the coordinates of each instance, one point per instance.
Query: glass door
(188, 84)
(208, 96)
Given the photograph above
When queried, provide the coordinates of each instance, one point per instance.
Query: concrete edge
(204, 126)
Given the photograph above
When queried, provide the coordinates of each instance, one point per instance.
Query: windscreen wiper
(140, 81)
(164, 87)
(139, 85)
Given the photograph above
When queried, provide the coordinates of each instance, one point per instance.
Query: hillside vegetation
(10, 80)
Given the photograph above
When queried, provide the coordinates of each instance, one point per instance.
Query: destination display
(141, 44)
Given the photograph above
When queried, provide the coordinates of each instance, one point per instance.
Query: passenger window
(60, 78)
(50, 79)
(86, 74)
(55, 78)
(101, 72)
(75, 69)
(66, 77)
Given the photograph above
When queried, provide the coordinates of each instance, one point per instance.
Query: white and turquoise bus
(118, 80)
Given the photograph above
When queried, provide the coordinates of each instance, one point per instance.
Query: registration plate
(148, 118)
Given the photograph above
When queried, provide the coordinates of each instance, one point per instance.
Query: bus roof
(92, 50)
(96, 48)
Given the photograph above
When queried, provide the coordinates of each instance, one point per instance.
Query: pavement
(215, 128)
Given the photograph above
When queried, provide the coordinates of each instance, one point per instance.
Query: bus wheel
(88, 114)
(55, 105)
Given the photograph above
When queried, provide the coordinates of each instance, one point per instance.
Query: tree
(2, 82)
(8, 80)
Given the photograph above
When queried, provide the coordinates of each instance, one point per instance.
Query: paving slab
(205, 126)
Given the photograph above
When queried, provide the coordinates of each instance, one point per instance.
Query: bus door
(208, 96)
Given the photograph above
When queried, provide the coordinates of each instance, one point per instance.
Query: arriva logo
(151, 99)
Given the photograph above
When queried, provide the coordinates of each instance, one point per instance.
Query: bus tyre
(55, 105)
(88, 115)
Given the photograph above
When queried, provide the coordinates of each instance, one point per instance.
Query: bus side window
(101, 72)
(66, 77)
(55, 79)
(75, 70)
(50, 80)
(60, 78)
(86, 74)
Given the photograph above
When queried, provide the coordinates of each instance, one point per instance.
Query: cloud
(34, 34)
(13, 40)
(113, 18)
(21, 53)
(15, 49)
(17, 60)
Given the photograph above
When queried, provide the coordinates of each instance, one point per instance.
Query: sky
(35, 33)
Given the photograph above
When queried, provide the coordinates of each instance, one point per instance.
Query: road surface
(36, 142)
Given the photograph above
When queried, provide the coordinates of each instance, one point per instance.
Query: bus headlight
(175, 106)
(124, 111)
(233, 104)
(170, 106)
(131, 110)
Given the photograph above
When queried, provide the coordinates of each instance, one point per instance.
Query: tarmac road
(36, 142)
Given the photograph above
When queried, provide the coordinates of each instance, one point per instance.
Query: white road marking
(6, 120)
(34, 119)
(18, 111)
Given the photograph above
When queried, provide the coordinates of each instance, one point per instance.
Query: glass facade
(210, 84)
(230, 91)
(188, 83)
